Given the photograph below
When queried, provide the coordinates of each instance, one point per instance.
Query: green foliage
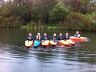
(77, 14)
(59, 12)
(40, 12)
(6, 10)
(10, 21)
(75, 21)
(24, 12)
(80, 21)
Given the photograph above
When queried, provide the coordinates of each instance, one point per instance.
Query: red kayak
(81, 39)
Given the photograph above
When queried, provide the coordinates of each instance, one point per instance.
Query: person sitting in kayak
(38, 36)
(67, 37)
(30, 37)
(60, 37)
(45, 37)
(77, 34)
(54, 37)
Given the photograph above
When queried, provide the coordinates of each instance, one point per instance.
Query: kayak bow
(71, 42)
(36, 43)
(63, 42)
(81, 39)
(53, 43)
(28, 43)
(45, 43)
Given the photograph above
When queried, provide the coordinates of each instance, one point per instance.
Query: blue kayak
(36, 43)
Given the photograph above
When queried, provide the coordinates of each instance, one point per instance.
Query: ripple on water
(45, 60)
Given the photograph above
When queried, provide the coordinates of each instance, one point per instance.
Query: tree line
(72, 14)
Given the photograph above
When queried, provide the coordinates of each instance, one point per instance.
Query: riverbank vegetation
(65, 14)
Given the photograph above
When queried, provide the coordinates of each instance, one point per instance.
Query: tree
(40, 10)
(59, 12)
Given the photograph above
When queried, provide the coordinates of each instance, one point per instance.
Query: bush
(76, 20)
(10, 21)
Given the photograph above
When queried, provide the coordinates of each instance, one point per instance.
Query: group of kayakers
(30, 37)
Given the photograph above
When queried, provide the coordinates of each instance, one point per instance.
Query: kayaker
(77, 34)
(38, 36)
(54, 37)
(60, 37)
(66, 37)
(30, 37)
(45, 37)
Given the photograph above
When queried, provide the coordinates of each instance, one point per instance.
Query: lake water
(14, 57)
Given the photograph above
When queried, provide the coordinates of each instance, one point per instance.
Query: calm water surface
(14, 57)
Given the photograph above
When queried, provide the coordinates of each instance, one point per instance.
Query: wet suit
(77, 35)
(45, 38)
(38, 38)
(54, 38)
(60, 38)
(30, 38)
(66, 37)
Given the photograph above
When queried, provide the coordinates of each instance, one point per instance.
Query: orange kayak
(63, 42)
(45, 43)
(53, 43)
(28, 43)
(70, 42)
(81, 39)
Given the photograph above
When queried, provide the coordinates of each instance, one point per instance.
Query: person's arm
(58, 38)
(64, 37)
(26, 37)
(48, 37)
(68, 37)
(51, 38)
(42, 38)
(33, 38)
(78, 35)
(75, 35)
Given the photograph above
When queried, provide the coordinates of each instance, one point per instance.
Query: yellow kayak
(28, 43)
(53, 43)
(45, 43)
(63, 42)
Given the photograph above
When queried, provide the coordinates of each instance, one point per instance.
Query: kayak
(45, 43)
(63, 42)
(36, 43)
(28, 43)
(81, 39)
(71, 42)
(53, 43)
